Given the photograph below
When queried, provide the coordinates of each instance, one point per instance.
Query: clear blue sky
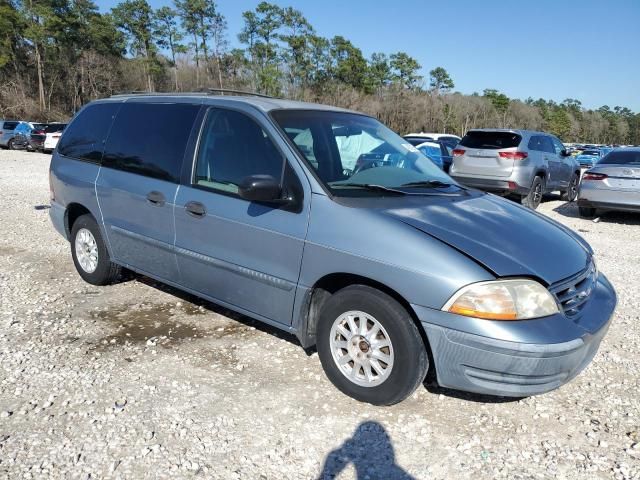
(554, 49)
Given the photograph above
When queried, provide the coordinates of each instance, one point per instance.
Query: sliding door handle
(156, 198)
(195, 209)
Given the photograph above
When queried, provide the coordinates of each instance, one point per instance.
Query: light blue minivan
(326, 224)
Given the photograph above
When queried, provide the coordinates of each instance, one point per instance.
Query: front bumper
(517, 358)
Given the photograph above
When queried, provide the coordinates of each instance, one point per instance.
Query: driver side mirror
(565, 153)
(261, 188)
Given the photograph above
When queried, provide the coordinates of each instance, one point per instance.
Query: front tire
(572, 190)
(534, 197)
(370, 347)
(10, 145)
(89, 252)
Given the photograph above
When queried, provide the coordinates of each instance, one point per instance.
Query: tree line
(57, 55)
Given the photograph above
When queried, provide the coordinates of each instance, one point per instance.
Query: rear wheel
(533, 199)
(587, 212)
(90, 254)
(572, 190)
(369, 346)
(10, 145)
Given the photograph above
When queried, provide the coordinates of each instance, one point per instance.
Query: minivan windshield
(356, 155)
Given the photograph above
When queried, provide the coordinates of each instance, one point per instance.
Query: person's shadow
(371, 453)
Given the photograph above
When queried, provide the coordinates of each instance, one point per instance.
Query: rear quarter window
(150, 139)
(490, 140)
(85, 137)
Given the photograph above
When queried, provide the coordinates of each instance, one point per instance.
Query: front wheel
(369, 346)
(572, 190)
(533, 199)
(10, 145)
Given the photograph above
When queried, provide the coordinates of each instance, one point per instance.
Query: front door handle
(195, 209)
(156, 198)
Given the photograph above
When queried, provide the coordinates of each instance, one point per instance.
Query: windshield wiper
(428, 183)
(372, 186)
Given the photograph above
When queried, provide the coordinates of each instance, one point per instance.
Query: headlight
(514, 299)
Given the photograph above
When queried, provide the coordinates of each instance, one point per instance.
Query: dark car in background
(37, 137)
(22, 135)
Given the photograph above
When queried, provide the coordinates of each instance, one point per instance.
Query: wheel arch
(329, 284)
(72, 213)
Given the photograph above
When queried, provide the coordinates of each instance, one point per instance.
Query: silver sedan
(612, 184)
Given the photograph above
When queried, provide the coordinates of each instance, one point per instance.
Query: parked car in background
(384, 269)
(22, 135)
(588, 158)
(518, 163)
(613, 184)
(52, 135)
(606, 150)
(437, 152)
(7, 128)
(446, 138)
(37, 137)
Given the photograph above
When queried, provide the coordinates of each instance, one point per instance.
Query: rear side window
(150, 139)
(490, 140)
(541, 143)
(84, 139)
(536, 143)
(9, 125)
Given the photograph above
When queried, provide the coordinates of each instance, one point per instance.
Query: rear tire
(572, 190)
(10, 145)
(89, 252)
(534, 197)
(361, 331)
(587, 212)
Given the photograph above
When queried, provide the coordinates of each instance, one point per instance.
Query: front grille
(574, 292)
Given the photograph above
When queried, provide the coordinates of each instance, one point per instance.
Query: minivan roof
(265, 104)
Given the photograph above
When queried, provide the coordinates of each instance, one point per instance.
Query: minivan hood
(504, 237)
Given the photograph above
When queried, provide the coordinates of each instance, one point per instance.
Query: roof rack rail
(133, 92)
(222, 91)
(215, 91)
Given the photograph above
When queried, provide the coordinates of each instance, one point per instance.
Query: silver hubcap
(361, 348)
(86, 250)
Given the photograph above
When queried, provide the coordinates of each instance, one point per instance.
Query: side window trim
(104, 141)
(172, 176)
(201, 133)
(189, 173)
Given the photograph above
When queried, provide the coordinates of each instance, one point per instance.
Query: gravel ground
(137, 380)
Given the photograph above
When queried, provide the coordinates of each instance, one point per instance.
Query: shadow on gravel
(371, 453)
(468, 396)
(570, 210)
(194, 303)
